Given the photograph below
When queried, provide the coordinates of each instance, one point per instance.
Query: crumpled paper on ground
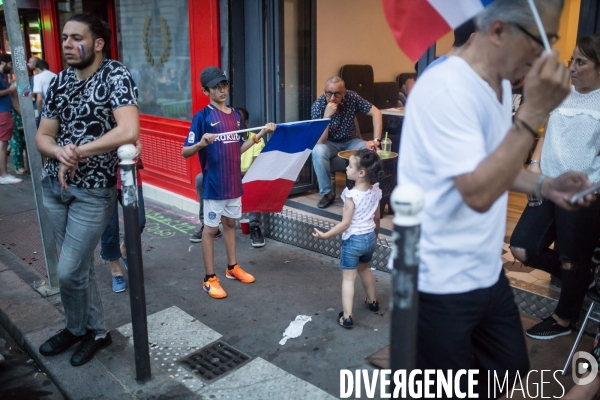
(295, 328)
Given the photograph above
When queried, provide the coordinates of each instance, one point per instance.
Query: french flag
(417, 24)
(268, 182)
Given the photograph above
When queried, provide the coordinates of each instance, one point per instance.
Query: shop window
(32, 27)
(154, 44)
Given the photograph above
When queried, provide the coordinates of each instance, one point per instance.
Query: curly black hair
(370, 162)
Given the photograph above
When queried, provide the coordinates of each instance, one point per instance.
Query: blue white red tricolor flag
(268, 182)
(417, 24)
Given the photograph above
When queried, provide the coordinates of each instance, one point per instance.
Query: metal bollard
(406, 201)
(133, 242)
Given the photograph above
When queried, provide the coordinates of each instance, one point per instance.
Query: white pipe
(540, 26)
(258, 128)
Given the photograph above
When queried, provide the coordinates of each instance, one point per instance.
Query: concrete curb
(30, 319)
(38, 306)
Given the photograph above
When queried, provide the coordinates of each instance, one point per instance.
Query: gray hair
(512, 11)
(335, 79)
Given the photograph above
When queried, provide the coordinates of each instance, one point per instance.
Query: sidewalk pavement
(182, 319)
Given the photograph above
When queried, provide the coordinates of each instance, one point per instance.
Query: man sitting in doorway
(341, 106)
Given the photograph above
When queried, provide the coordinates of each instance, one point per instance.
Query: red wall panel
(164, 166)
(204, 44)
(50, 35)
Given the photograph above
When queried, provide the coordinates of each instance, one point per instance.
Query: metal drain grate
(214, 361)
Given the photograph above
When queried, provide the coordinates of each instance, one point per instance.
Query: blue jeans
(357, 249)
(253, 217)
(78, 217)
(109, 243)
(323, 153)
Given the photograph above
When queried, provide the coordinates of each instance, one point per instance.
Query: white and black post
(406, 201)
(133, 242)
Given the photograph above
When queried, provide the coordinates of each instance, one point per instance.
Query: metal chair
(594, 296)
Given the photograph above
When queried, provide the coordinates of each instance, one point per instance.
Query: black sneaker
(374, 306)
(197, 236)
(326, 201)
(345, 322)
(256, 237)
(548, 329)
(88, 347)
(59, 343)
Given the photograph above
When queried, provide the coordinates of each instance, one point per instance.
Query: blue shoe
(118, 284)
(124, 262)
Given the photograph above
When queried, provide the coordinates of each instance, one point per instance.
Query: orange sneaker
(213, 288)
(238, 273)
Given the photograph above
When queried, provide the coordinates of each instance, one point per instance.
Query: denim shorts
(357, 249)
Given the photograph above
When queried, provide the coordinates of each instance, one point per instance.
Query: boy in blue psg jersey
(220, 159)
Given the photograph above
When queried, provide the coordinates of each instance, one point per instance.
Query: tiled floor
(516, 204)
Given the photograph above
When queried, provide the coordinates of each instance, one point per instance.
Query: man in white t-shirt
(460, 145)
(41, 81)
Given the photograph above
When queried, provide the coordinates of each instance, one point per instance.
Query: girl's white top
(572, 140)
(365, 206)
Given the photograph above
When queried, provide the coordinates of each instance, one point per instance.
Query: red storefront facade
(161, 136)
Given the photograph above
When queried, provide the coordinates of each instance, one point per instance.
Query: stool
(593, 295)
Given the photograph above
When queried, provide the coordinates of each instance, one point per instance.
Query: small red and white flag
(268, 182)
(417, 24)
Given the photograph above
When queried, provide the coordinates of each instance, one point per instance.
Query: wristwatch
(377, 140)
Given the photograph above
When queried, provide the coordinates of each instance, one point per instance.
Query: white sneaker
(8, 179)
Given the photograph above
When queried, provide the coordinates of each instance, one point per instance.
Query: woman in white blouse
(571, 142)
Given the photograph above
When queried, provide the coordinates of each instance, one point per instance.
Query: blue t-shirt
(5, 101)
(221, 160)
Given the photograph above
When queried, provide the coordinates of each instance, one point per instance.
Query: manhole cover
(214, 361)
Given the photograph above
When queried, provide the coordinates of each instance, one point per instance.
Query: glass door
(296, 72)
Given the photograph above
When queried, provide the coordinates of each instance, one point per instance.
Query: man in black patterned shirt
(341, 106)
(89, 111)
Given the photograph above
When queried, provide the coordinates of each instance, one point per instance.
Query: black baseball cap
(211, 76)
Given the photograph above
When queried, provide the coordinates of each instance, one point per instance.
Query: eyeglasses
(552, 38)
(337, 95)
(221, 85)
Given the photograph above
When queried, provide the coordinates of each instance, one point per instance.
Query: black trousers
(480, 329)
(575, 235)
